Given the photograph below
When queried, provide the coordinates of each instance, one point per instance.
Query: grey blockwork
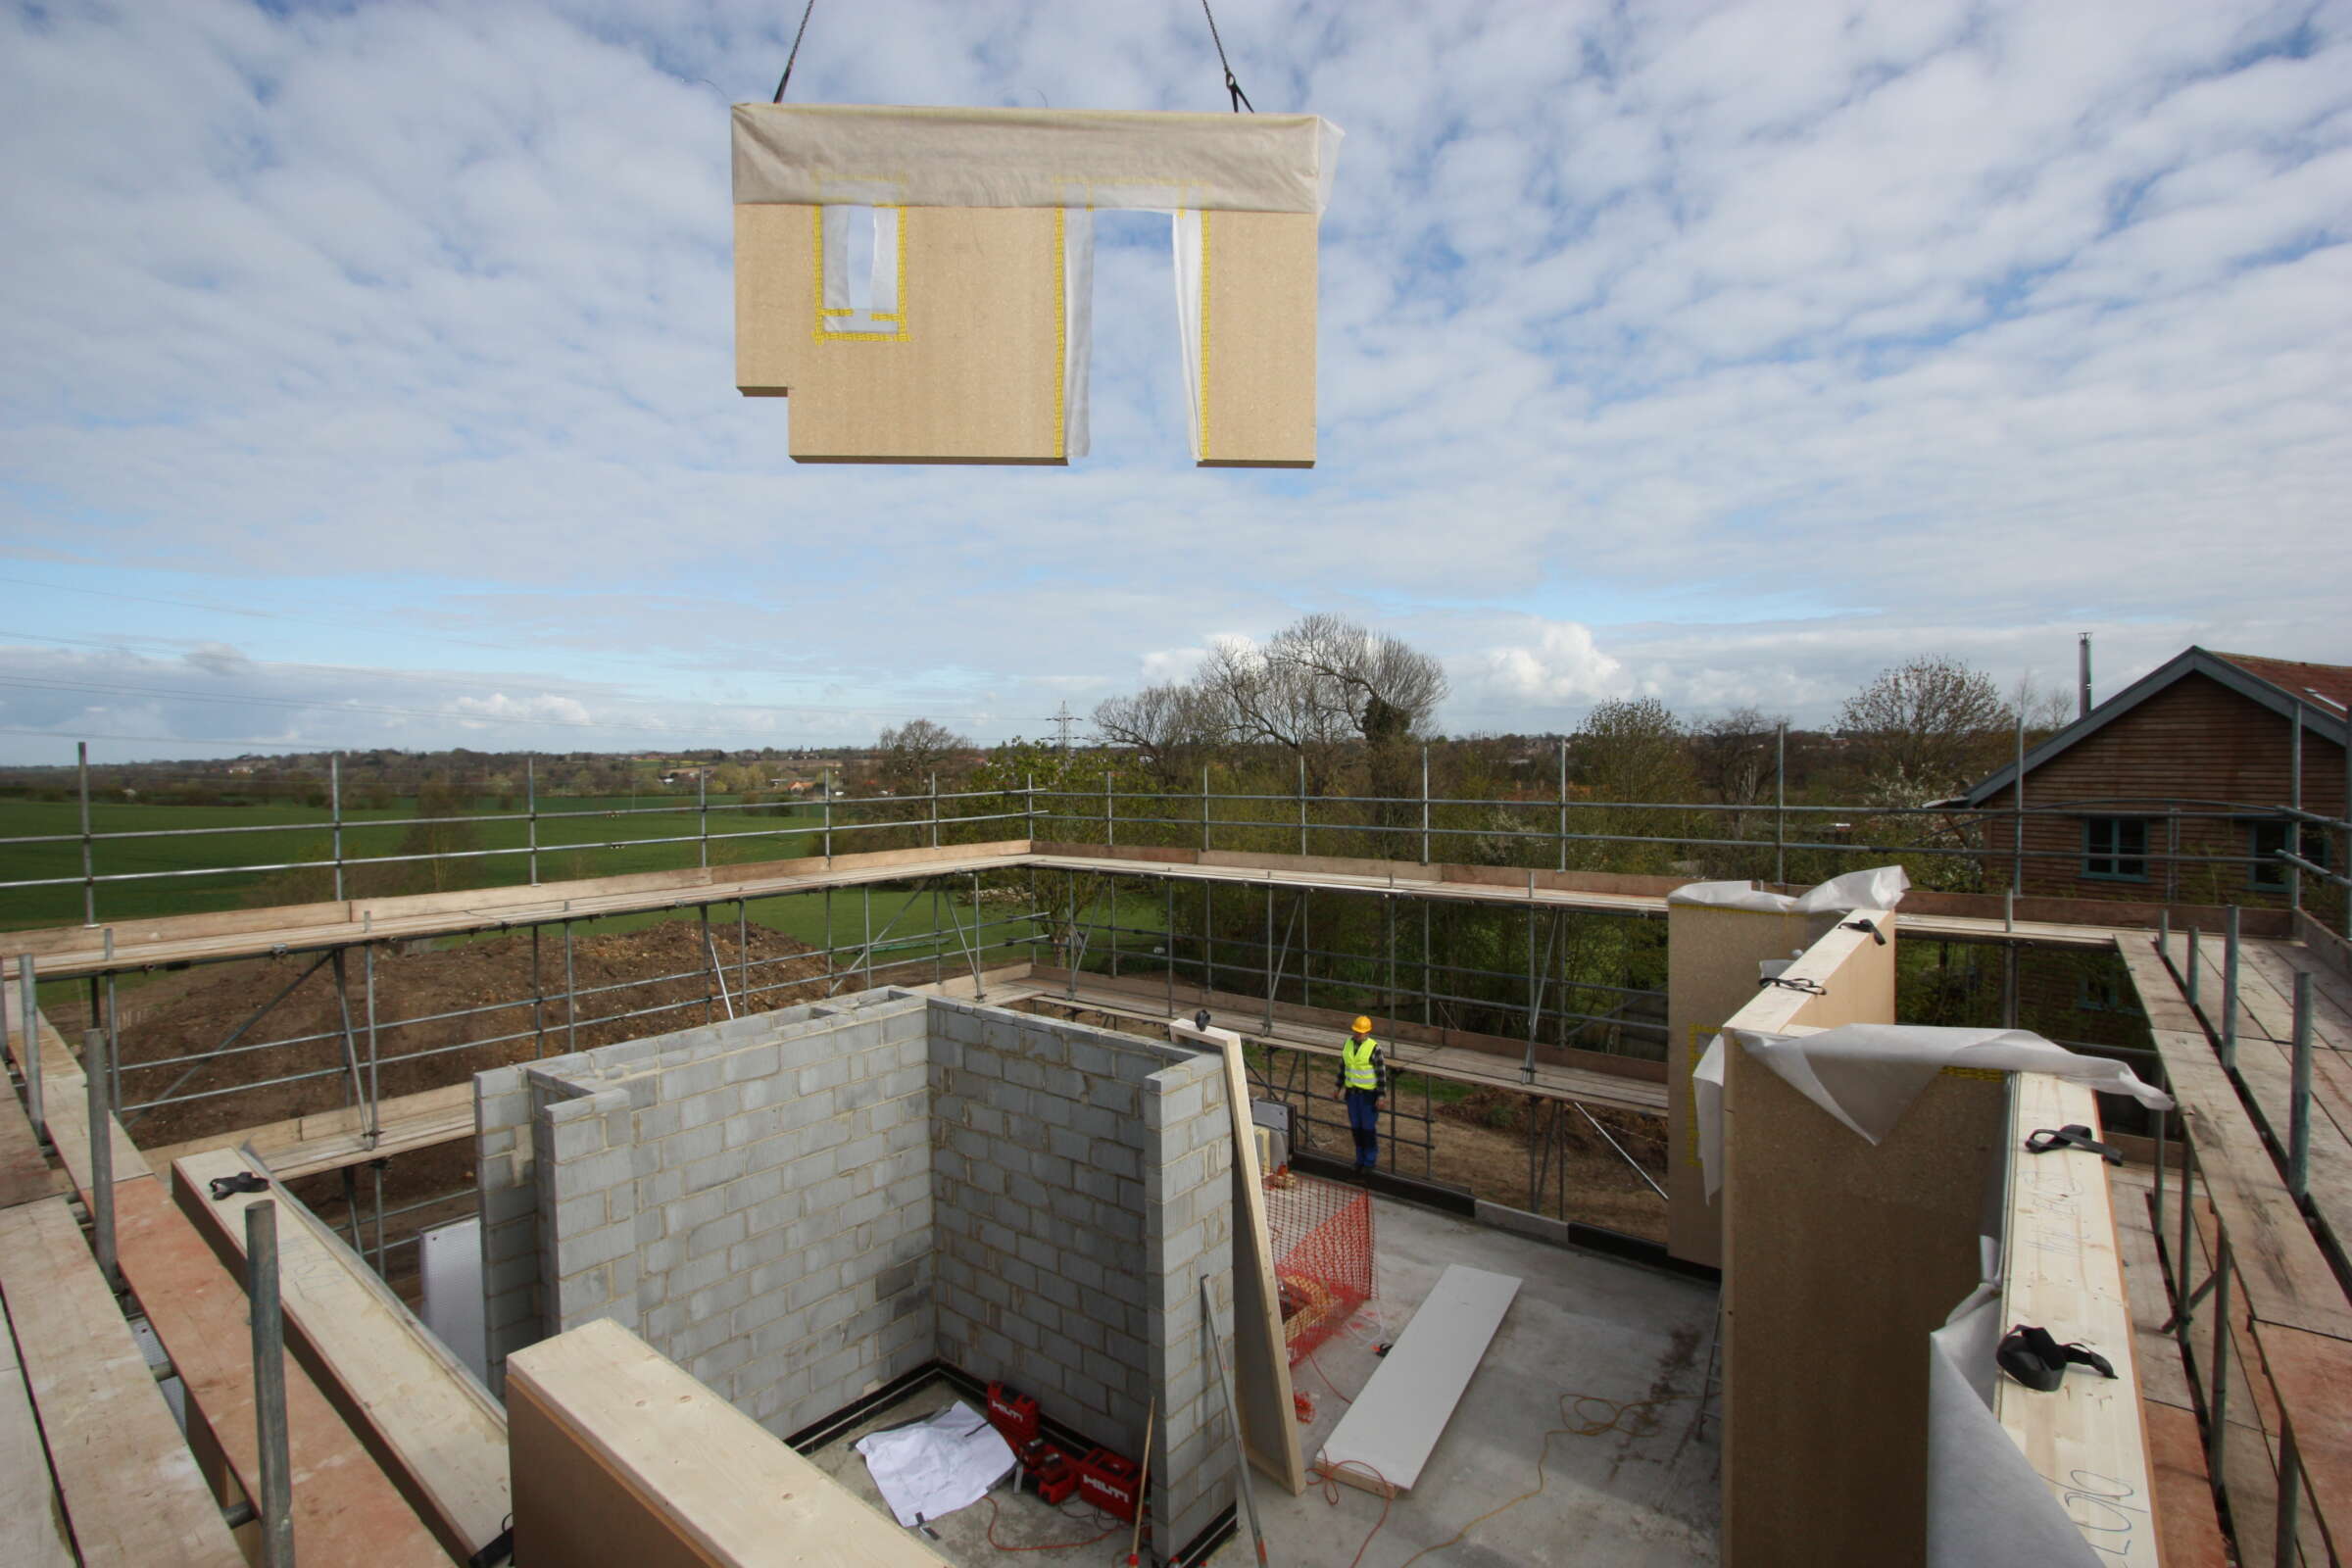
(799, 1205)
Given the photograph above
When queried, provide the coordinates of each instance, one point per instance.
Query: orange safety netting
(1323, 1257)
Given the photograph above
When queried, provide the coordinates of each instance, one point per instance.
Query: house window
(2115, 849)
(2104, 993)
(2265, 839)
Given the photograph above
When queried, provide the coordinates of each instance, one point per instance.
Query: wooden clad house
(2170, 789)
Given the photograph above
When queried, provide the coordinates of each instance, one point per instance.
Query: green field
(577, 838)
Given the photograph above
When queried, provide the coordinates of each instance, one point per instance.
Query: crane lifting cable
(783, 81)
(1241, 99)
(1233, 86)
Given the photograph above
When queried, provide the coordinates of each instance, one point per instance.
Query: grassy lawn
(900, 922)
(577, 837)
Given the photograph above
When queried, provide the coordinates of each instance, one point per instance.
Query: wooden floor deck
(2265, 1058)
(346, 1510)
(2288, 1356)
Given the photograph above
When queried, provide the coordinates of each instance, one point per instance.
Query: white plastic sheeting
(1867, 1074)
(932, 1468)
(1880, 887)
(1191, 235)
(813, 155)
(1987, 1505)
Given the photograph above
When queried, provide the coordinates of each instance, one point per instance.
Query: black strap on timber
(2074, 1135)
(2035, 1359)
(243, 1181)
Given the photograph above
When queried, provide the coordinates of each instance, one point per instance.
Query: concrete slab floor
(1628, 1484)
(1642, 1493)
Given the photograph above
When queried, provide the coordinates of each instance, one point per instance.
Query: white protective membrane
(1987, 1506)
(1880, 887)
(1867, 1074)
(878, 156)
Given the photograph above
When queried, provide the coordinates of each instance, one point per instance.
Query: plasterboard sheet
(1395, 1423)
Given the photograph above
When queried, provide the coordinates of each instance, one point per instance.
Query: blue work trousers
(1363, 1120)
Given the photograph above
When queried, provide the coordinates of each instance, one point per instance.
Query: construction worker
(1363, 1080)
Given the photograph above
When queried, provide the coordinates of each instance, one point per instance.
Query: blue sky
(370, 368)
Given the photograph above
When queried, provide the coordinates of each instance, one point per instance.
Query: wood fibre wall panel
(1258, 341)
(976, 371)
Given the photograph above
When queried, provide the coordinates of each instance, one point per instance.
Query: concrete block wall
(753, 1199)
(799, 1205)
(1080, 1188)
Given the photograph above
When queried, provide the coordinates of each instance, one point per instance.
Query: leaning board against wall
(920, 282)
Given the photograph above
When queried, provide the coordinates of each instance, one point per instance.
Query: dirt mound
(416, 990)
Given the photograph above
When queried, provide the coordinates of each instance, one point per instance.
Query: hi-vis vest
(1356, 1059)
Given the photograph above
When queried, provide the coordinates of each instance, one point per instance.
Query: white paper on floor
(932, 1468)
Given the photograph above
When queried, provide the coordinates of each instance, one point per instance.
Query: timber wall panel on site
(622, 1460)
(1810, 1212)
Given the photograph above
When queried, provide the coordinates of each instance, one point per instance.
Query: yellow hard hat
(1363, 1026)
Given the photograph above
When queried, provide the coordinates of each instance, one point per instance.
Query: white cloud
(479, 711)
(1978, 320)
(1562, 666)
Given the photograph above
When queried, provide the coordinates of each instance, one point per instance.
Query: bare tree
(1320, 683)
(913, 752)
(1933, 724)
(1737, 754)
(2047, 708)
(1167, 727)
